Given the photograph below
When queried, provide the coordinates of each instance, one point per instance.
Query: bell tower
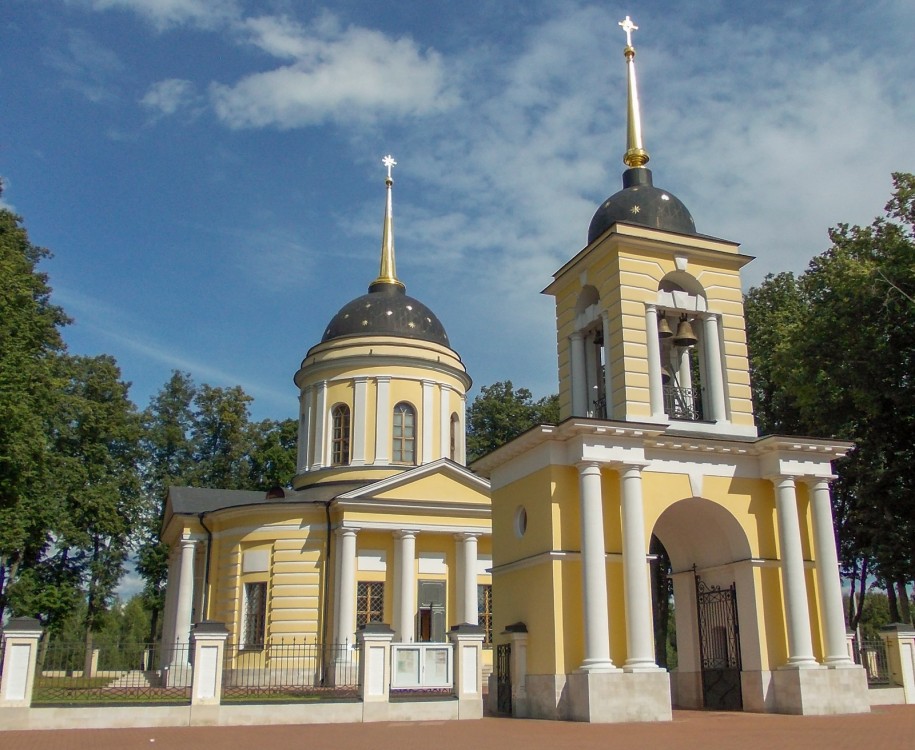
(649, 315)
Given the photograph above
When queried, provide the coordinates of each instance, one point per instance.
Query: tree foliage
(500, 413)
(833, 355)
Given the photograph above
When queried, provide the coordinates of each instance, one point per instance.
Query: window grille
(484, 611)
(255, 621)
(341, 431)
(404, 434)
(369, 603)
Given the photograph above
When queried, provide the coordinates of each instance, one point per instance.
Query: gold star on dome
(635, 209)
(411, 324)
(365, 322)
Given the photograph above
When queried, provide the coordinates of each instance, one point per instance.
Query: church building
(657, 459)
(383, 521)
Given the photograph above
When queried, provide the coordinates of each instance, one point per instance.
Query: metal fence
(870, 653)
(68, 673)
(290, 670)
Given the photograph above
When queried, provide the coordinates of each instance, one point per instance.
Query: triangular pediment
(441, 481)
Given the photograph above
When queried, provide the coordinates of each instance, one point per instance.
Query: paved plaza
(886, 728)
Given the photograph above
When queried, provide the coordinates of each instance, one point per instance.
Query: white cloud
(167, 13)
(169, 96)
(86, 67)
(336, 75)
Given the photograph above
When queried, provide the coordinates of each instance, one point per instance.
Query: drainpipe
(206, 568)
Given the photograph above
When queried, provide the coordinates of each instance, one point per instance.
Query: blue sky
(208, 172)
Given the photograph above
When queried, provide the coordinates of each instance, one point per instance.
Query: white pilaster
(346, 603)
(655, 390)
(608, 376)
(304, 415)
(383, 418)
(594, 571)
(794, 587)
(829, 587)
(462, 433)
(185, 599)
(405, 596)
(444, 418)
(468, 562)
(579, 379)
(360, 419)
(714, 369)
(427, 421)
(320, 419)
(639, 634)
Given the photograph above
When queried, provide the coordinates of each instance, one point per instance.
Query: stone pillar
(345, 620)
(468, 669)
(829, 587)
(405, 595)
(594, 571)
(900, 656)
(655, 389)
(639, 633)
(518, 667)
(209, 639)
(579, 379)
(319, 449)
(375, 670)
(360, 419)
(468, 606)
(714, 368)
(608, 375)
(20, 653)
(794, 587)
(383, 419)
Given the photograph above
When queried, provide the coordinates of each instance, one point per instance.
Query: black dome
(386, 311)
(640, 202)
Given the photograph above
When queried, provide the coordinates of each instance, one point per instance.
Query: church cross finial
(389, 162)
(628, 27)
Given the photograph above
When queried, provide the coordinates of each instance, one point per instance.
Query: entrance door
(504, 678)
(430, 616)
(719, 646)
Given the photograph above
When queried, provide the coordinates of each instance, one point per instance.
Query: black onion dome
(640, 202)
(386, 311)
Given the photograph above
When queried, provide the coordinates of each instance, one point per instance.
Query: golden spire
(635, 155)
(388, 274)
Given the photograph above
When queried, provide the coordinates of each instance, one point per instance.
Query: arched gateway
(658, 440)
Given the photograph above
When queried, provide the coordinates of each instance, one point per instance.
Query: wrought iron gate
(719, 646)
(504, 678)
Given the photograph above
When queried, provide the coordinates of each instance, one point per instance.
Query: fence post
(850, 636)
(375, 670)
(20, 653)
(468, 669)
(900, 656)
(209, 642)
(519, 671)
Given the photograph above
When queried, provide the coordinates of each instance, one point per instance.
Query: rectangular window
(484, 611)
(254, 624)
(369, 603)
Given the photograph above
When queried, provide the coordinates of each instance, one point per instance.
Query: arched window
(404, 434)
(455, 437)
(340, 440)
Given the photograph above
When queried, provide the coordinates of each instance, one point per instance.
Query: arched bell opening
(589, 357)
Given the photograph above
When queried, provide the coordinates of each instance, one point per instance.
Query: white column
(444, 416)
(639, 633)
(346, 603)
(794, 587)
(320, 419)
(714, 369)
(405, 596)
(684, 373)
(427, 421)
(608, 376)
(590, 373)
(462, 432)
(168, 613)
(468, 561)
(594, 571)
(829, 587)
(579, 381)
(304, 429)
(383, 418)
(359, 419)
(655, 391)
(185, 599)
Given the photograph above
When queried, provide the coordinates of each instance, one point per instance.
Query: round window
(520, 521)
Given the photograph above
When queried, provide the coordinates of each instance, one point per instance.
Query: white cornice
(429, 528)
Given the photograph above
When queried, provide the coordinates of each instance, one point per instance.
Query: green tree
(222, 438)
(30, 342)
(836, 358)
(273, 453)
(501, 412)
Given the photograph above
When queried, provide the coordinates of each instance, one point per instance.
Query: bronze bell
(664, 331)
(685, 335)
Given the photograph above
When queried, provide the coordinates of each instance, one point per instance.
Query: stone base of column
(821, 692)
(612, 697)
(598, 665)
